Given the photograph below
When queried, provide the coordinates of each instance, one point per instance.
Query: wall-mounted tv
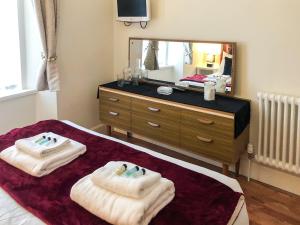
(133, 10)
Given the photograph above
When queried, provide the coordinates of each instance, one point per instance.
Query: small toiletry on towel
(39, 167)
(40, 139)
(134, 187)
(121, 170)
(209, 91)
(42, 145)
(132, 171)
(139, 173)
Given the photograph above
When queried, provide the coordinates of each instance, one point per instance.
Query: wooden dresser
(207, 132)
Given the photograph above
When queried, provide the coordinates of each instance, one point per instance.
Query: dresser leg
(129, 134)
(237, 168)
(225, 169)
(108, 130)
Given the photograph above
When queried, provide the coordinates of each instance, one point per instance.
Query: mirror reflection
(188, 64)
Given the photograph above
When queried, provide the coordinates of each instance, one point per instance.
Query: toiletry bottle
(121, 170)
(40, 139)
(45, 141)
(139, 173)
(132, 171)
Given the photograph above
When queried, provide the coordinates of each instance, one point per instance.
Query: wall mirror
(186, 64)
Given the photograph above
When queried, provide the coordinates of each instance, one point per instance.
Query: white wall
(46, 105)
(84, 57)
(268, 51)
(17, 112)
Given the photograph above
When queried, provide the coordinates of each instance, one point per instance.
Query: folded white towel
(30, 146)
(41, 167)
(122, 210)
(138, 187)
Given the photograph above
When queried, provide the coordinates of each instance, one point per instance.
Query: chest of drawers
(202, 131)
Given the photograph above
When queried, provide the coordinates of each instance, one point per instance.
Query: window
(10, 60)
(162, 53)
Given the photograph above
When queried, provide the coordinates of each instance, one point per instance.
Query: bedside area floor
(266, 205)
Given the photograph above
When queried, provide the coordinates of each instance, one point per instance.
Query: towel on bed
(41, 167)
(106, 178)
(121, 210)
(31, 147)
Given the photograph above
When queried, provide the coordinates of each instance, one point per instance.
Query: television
(133, 10)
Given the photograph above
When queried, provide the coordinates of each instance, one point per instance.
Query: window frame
(23, 90)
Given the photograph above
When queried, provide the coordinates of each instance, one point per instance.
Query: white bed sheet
(197, 84)
(11, 213)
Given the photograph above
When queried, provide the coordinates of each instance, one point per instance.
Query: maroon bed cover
(199, 199)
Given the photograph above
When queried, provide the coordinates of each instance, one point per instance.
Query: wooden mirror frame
(233, 72)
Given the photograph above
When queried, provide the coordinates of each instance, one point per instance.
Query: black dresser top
(239, 107)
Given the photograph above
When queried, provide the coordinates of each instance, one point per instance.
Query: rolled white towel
(39, 167)
(121, 210)
(32, 147)
(138, 187)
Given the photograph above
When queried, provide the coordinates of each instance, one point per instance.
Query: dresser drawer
(114, 100)
(156, 129)
(155, 110)
(217, 125)
(115, 116)
(207, 143)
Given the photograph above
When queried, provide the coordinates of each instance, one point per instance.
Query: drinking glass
(120, 79)
(127, 75)
(144, 74)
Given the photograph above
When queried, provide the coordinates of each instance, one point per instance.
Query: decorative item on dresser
(218, 130)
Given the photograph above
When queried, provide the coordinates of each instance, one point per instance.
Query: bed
(198, 80)
(12, 213)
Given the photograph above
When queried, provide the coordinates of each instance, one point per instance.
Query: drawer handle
(206, 122)
(206, 140)
(113, 99)
(153, 109)
(113, 113)
(153, 124)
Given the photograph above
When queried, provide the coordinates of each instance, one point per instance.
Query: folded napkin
(31, 147)
(138, 187)
(121, 210)
(39, 167)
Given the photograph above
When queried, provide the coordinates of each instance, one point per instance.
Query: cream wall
(268, 49)
(85, 57)
(17, 112)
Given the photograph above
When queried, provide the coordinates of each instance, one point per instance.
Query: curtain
(151, 61)
(46, 13)
(188, 53)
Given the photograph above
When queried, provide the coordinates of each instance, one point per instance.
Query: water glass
(127, 73)
(120, 79)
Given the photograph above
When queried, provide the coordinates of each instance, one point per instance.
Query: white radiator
(279, 132)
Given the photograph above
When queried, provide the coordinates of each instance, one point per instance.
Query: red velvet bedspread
(199, 199)
(199, 78)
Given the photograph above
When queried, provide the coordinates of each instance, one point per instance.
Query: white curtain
(46, 13)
